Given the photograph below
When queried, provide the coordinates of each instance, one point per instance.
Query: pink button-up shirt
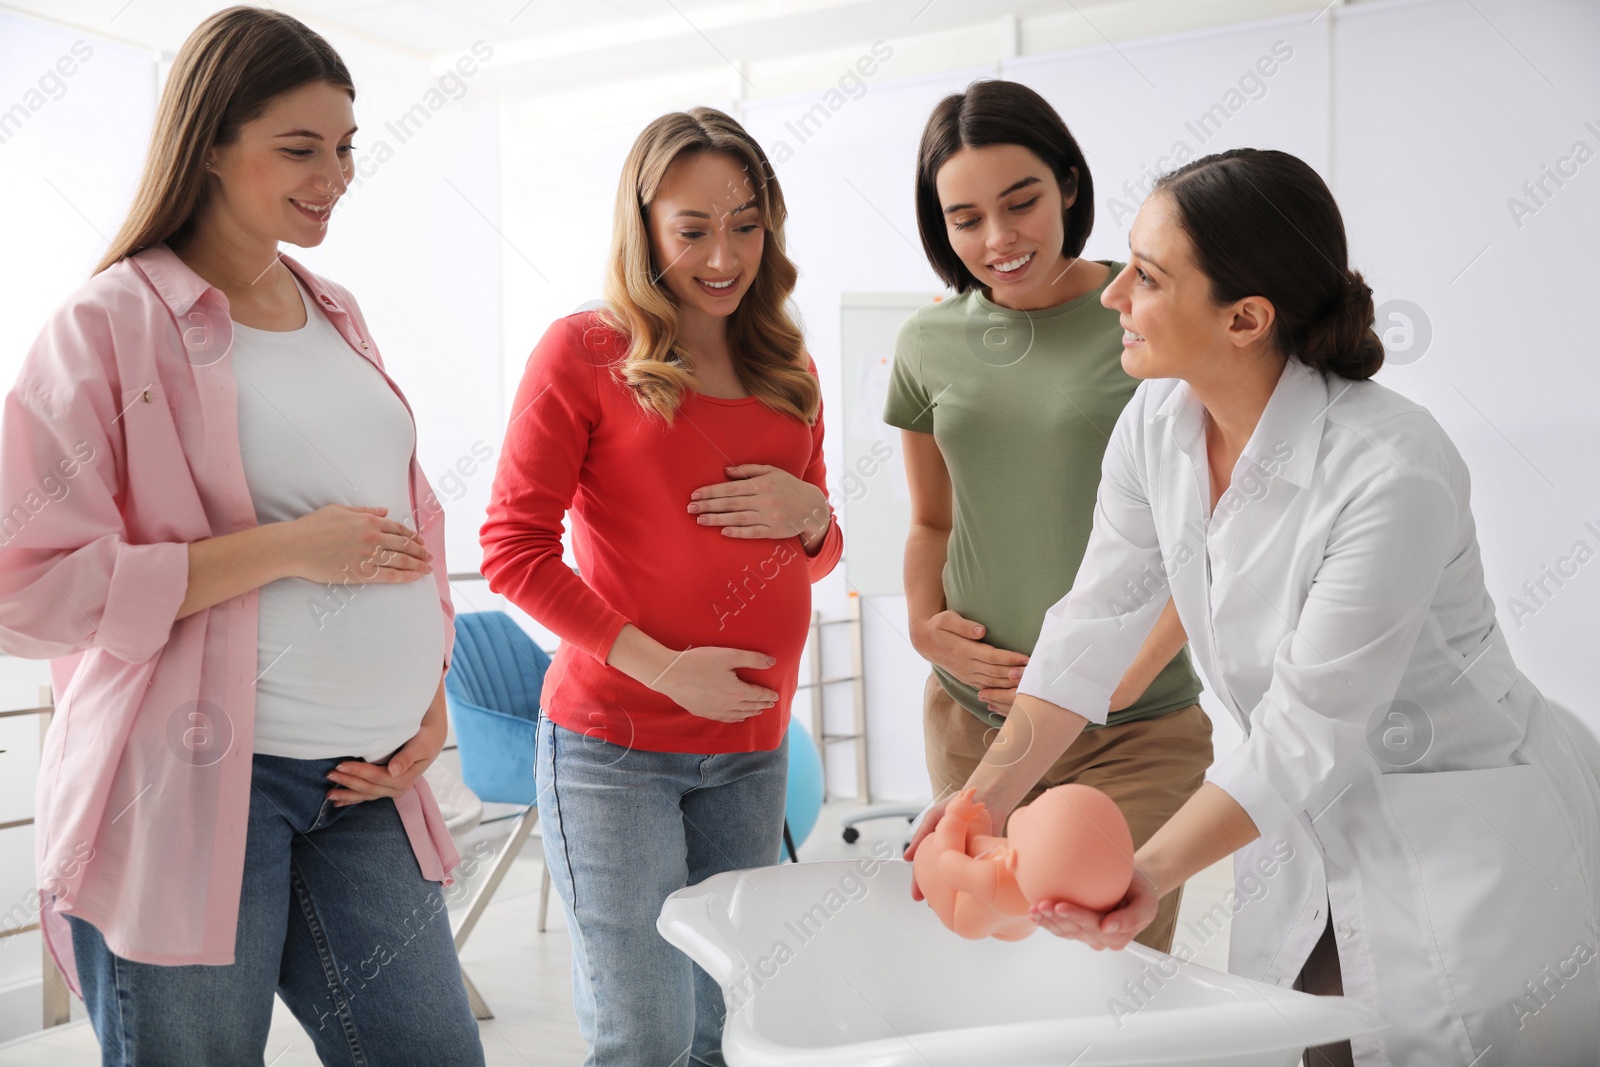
(118, 448)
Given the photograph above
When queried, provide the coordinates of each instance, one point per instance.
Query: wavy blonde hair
(768, 348)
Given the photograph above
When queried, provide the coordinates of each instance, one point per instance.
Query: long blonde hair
(768, 347)
(231, 67)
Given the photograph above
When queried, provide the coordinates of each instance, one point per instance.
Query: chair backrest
(496, 665)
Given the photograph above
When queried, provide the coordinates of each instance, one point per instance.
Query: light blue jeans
(624, 828)
(334, 915)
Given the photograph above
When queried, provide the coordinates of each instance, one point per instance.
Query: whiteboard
(872, 482)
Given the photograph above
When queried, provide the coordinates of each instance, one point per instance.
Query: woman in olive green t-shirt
(1006, 395)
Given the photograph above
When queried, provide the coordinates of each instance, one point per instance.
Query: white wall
(70, 152)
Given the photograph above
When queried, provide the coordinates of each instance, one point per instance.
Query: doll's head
(1072, 844)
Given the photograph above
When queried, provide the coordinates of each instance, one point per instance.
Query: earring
(208, 166)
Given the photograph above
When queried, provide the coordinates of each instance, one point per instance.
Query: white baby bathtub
(834, 964)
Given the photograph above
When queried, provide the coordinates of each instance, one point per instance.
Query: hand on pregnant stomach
(338, 544)
(955, 645)
(762, 501)
(702, 682)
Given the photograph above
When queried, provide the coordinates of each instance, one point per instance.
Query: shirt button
(1345, 930)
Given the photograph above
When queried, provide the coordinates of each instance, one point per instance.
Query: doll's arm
(1002, 855)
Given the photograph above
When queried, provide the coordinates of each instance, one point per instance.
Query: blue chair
(496, 677)
(492, 690)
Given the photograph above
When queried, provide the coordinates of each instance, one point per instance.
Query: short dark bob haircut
(997, 112)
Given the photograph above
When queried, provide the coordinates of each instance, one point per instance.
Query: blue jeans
(334, 915)
(624, 828)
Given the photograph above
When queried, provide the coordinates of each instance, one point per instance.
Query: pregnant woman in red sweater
(682, 427)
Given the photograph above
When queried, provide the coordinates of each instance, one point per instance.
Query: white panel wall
(71, 146)
(1141, 108)
(1443, 111)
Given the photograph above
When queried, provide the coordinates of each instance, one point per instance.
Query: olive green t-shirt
(1022, 404)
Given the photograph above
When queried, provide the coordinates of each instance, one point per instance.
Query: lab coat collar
(1188, 418)
(1294, 417)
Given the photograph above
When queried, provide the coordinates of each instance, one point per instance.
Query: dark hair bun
(1342, 341)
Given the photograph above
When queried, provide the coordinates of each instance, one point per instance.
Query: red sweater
(579, 440)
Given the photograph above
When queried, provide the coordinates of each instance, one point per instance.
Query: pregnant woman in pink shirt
(224, 544)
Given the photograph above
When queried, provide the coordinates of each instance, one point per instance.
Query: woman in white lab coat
(1422, 835)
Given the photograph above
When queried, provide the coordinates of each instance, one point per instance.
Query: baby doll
(1071, 844)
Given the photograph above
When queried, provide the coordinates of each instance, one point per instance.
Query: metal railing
(57, 1006)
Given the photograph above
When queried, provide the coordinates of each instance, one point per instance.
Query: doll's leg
(978, 879)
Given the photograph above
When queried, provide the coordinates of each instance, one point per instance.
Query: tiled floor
(524, 975)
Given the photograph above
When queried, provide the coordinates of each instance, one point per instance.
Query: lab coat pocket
(1509, 913)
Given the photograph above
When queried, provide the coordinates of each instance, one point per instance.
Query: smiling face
(706, 234)
(280, 177)
(1172, 328)
(1004, 215)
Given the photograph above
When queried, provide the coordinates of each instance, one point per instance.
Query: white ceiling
(550, 45)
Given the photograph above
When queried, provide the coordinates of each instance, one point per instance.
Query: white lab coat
(1426, 791)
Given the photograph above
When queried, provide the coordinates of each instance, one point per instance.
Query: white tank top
(345, 670)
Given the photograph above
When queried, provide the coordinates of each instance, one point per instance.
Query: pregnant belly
(754, 595)
(372, 650)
